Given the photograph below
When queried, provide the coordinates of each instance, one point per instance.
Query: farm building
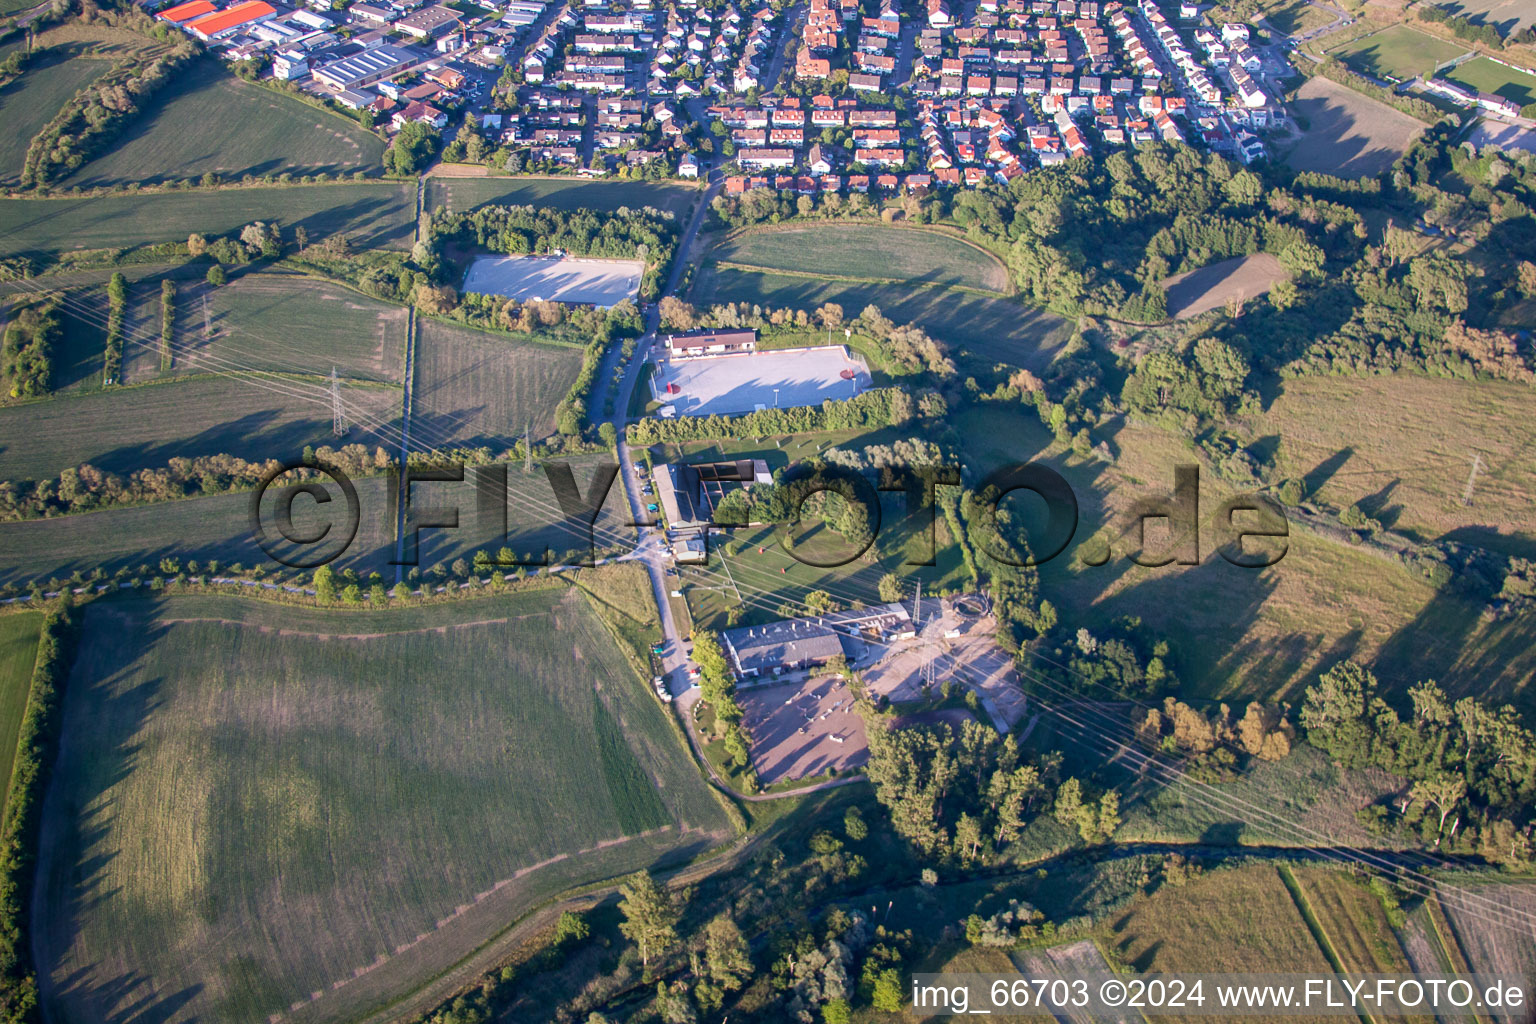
(711, 343)
(677, 490)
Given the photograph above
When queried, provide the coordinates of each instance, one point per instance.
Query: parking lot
(584, 281)
(802, 729)
(744, 383)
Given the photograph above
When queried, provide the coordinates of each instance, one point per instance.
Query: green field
(374, 215)
(1241, 634)
(213, 121)
(337, 803)
(31, 101)
(870, 251)
(1487, 75)
(462, 194)
(19, 633)
(987, 330)
(1397, 53)
(126, 429)
(474, 388)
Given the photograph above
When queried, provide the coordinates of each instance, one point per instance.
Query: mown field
(1353, 923)
(1346, 133)
(211, 121)
(871, 251)
(334, 807)
(1509, 16)
(249, 416)
(474, 388)
(373, 215)
(1240, 633)
(19, 633)
(1236, 280)
(31, 101)
(988, 330)
(1487, 75)
(1294, 17)
(460, 194)
(1397, 53)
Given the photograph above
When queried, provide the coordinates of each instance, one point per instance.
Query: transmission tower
(207, 321)
(1477, 464)
(527, 446)
(338, 415)
(917, 607)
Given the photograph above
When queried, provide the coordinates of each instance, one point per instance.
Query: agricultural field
(1487, 75)
(868, 251)
(1485, 924)
(30, 102)
(203, 529)
(461, 194)
(249, 416)
(1508, 16)
(1214, 287)
(331, 826)
(214, 122)
(19, 633)
(1296, 17)
(983, 329)
(376, 215)
(572, 279)
(1346, 133)
(1241, 634)
(1397, 53)
(476, 388)
(1352, 922)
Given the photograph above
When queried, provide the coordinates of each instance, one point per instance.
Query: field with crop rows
(335, 802)
(18, 654)
(460, 194)
(871, 251)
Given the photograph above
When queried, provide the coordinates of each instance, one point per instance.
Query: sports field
(474, 388)
(126, 429)
(1487, 75)
(989, 330)
(871, 251)
(30, 102)
(18, 654)
(461, 194)
(573, 279)
(377, 215)
(337, 806)
(212, 121)
(1397, 53)
(1236, 280)
(720, 385)
(1348, 134)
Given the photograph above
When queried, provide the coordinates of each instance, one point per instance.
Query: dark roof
(781, 644)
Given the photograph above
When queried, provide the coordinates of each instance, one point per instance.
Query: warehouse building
(365, 68)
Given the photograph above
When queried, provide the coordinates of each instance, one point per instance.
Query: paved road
(651, 548)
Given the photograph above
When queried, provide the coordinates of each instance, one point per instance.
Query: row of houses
(1466, 97)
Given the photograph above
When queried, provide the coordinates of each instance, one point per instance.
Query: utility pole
(1477, 464)
(338, 415)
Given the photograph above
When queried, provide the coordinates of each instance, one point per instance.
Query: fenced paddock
(577, 280)
(741, 383)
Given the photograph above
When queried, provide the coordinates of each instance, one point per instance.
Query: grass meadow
(982, 329)
(124, 429)
(461, 194)
(31, 101)
(1352, 922)
(331, 810)
(871, 251)
(1237, 633)
(19, 632)
(214, 122)
(477, 388)
(1397, 53)
(376, 215)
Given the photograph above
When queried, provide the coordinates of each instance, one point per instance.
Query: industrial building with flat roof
(808, 643)
(220, 23)
(365, 68)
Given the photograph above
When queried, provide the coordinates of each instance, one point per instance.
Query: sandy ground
(742, 383)
(802, 729)
(1245, 277)
(1347, 134)
(601, 283)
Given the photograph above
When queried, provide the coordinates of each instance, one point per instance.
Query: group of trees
(878, 407)
(717, 688)
(963, 796)
(26, 355)
(412, 148)
(35, 745)
(1214, 740)
(1471, 767)
(97, 113)
(117, 307)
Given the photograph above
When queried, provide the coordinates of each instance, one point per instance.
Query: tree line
(26, 356)
(878, 407)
